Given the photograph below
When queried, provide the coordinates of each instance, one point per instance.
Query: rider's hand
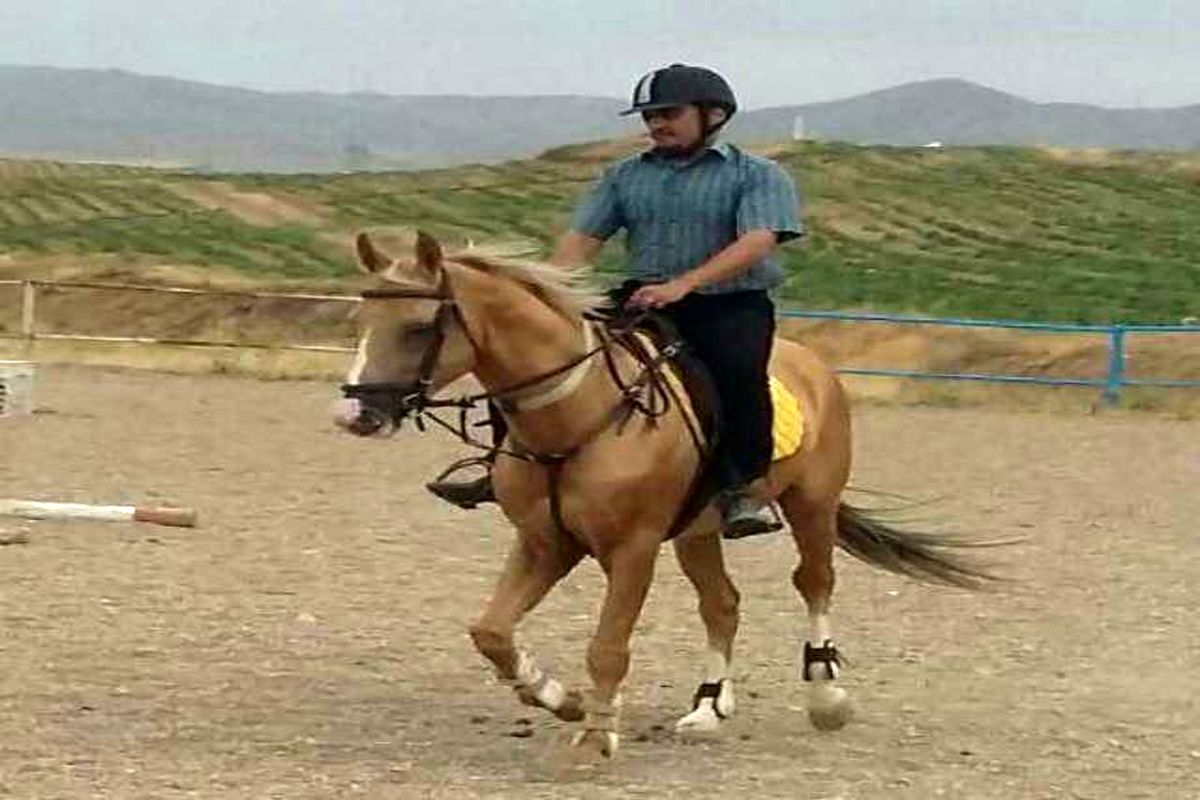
(657, 295)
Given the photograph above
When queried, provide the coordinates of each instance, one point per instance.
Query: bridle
(397, 399)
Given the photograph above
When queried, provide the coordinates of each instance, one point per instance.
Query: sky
(1118, 53)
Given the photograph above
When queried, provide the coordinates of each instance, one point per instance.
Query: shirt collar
(722, 149)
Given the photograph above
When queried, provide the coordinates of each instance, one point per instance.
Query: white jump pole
(34, 509)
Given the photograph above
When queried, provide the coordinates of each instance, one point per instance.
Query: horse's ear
(370, 259)
(429, 252)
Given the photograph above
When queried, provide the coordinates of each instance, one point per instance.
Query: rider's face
(677, 128)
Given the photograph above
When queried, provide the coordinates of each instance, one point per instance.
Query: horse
(579, 480)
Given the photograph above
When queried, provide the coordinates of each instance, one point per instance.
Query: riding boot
(470, 493)
(744, 514)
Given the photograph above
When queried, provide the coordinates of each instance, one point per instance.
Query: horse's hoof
(590, 749)
(571, 709)
(830, 710)
(703, 721)
(568, 764)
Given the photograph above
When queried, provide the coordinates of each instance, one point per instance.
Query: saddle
(669, 367)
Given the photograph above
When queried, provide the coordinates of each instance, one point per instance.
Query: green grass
(983, 232)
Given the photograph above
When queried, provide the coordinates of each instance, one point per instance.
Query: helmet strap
(707, 129)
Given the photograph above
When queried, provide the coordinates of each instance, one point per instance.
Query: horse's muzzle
(351, 415)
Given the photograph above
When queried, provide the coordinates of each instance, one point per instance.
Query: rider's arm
(767, 214)
(745, 251)
(575, 248)
(596, 219)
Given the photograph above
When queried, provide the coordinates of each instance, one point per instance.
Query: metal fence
(1111, 384)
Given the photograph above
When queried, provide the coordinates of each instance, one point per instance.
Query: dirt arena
(308, 640)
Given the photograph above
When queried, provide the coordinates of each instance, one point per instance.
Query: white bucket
(16, 388)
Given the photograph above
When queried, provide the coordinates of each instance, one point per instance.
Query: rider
(702, 219)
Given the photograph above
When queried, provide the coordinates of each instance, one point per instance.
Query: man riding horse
(595, 470)
(702, 220)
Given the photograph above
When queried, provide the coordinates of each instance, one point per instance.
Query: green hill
(986, 232)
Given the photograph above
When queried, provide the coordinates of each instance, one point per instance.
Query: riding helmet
(681, 85)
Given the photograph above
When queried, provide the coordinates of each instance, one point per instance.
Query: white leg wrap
(714, 700)
(530, 678)
(709, 710)
(602, 718)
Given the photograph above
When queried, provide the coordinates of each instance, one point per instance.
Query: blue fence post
(1116, 365)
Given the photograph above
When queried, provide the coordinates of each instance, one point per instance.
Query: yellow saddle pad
(788, 428)
(788, 419)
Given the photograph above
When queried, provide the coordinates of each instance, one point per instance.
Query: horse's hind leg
(526, 578)
(814, 526)
(702, 562)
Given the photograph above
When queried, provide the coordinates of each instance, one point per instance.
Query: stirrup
(465, 494)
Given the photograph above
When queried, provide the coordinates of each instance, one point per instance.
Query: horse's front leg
(528, 575)
(629, 569)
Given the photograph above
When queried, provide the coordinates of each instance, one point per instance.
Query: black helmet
(682, 85)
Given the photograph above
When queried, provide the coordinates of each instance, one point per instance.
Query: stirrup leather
(464, 463)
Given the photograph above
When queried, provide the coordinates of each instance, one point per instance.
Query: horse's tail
(924, 556)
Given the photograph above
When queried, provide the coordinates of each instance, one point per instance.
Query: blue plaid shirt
(678, 214)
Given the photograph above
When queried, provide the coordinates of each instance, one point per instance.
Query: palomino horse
(603, 484)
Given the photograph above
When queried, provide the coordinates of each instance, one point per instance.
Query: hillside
(959, 112)
(117, 116)
(983, 232)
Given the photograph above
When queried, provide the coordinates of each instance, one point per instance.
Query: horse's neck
(520, 338)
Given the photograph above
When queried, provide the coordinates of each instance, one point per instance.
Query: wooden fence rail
(29, 302)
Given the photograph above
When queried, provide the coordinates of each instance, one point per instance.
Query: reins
(649, 393)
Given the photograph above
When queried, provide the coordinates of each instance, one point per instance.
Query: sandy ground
(308, 641)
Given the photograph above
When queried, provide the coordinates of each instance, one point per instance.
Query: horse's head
(412, 340)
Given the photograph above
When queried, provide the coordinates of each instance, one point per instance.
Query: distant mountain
(958, 112)
(119, 116)
(112, 115)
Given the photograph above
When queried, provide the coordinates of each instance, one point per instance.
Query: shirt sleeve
(599, 214)
(769, 200)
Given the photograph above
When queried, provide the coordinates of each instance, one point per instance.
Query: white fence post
(28, 304)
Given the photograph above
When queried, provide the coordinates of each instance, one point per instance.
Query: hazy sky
(1109, 52)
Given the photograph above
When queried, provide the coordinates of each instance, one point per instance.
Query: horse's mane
(568, 290)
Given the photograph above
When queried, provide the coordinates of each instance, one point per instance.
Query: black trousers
(731, 334)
